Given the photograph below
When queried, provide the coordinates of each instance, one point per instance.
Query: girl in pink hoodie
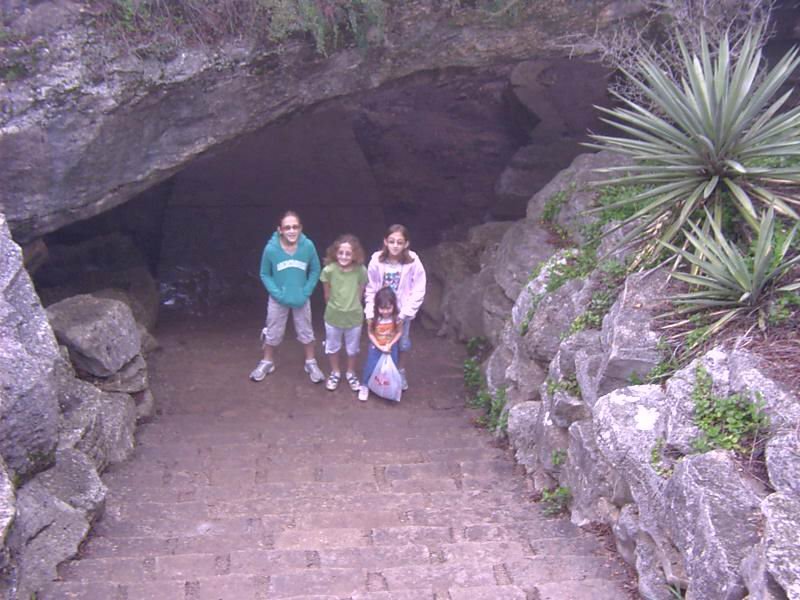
(397, 267)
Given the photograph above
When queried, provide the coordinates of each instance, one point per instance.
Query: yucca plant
(716, 138)
(727, 283)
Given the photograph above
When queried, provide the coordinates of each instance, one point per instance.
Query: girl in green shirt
(343, 279)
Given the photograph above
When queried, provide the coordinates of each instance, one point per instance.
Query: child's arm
(398, 334)
(374, 340)
(326, 290)
(374, 283)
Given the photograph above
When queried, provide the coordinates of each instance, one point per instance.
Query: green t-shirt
(344, 308)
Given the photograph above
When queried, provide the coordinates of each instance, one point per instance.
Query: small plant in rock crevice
(556, 501)
(568, 384)
(535, 300)
(478, 395)
(558, 457)
(477, 346)
(551, 210)
(733, 423)
(657, 458)
(496, 417)
(473, 378)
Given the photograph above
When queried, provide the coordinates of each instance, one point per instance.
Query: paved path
(242, 491)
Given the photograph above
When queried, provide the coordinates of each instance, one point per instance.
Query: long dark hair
(405, 257)
(384, 297)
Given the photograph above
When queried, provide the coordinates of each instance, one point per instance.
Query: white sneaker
(333, 381)
(314, 373)
(263, 368)
(403, 380)
(353, 381)
(363, 393)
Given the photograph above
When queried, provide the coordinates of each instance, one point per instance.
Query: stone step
(586, 589)
(249, 494)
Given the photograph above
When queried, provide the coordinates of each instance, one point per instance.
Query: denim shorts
(334, 335)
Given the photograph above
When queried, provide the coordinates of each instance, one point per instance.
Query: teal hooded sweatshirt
(290, 278)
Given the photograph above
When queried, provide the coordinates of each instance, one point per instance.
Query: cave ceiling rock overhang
(76, 143)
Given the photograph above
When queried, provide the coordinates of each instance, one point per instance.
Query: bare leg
(309, 350)
(268, 352)
(351, 363)
(334, 360)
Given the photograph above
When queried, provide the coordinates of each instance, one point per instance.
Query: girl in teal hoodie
(289, 270)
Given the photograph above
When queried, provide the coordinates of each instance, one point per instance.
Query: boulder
(74, 480)
(629, 338)
(731, 372)
(575, 183)
(28, 352)
(99, 424)
(100, 334)
(598, 490)
(781, 545)
(553, 316)
(640, 550)
(525, 244)
(714, 518)
(496, 311)
(463, 306)
(46, 531)
(522, 420)
(7, 511)
(783, 462)
(130, 379)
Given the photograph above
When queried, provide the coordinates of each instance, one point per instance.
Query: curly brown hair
(347, 238)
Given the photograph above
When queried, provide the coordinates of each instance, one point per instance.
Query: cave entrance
(437, 151)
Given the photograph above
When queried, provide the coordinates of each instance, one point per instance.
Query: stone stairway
(281, 489)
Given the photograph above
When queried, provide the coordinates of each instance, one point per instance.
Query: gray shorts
(334, 335)
(278, 314)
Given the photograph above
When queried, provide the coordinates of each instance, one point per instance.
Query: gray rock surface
(630, 339)
(598, 489)
(47, 531)
(713, 516)
(28, 404)
(94, 123)
(781, 543)
(523, 247)
(100, 334)
(783, 462)
(522, 420)
(7, 512)
(99, 424)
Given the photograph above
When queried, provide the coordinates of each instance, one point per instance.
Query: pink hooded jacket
(411, 291)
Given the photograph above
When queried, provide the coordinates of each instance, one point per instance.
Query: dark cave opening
(439, 152)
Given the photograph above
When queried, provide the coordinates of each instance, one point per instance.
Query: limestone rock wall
(697, 522)
(58, 431)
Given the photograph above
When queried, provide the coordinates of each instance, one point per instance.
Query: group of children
(392, 288)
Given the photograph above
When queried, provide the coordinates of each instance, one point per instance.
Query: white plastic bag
(385, 380)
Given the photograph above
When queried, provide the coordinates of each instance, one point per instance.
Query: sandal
(333, 381)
